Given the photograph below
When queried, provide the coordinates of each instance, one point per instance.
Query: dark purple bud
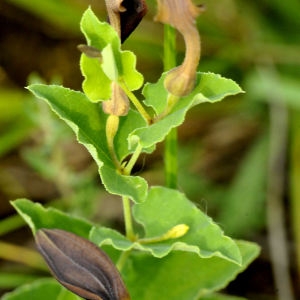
(130, 19)
(80, 266)
(131, 13)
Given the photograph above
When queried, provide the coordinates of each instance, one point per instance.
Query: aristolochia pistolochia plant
(171, 249)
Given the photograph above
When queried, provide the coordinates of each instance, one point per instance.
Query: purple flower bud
(125, 15)
(80, 266)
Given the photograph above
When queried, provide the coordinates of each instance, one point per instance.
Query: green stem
(171, 101)
(128, 218)
(174, 233)
(126, 201)
(171, 159)
(122, 260)
(127, 209)
(170, 151)
(112, 125)
(169, 47)
(133, 159)
(135, 101)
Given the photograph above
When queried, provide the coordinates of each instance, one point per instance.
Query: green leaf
(134, 187)
(182, 275)
(85, 118)
(9, 280)
(116, 65)
(209, 88)
(120, 66)
(38, 217)
(107, 236)
(88, 122)
(98, 34)
(127, 124)
(96, 84)
(130, 76)
(166, 208)
(212, 88)
(112, 62)
(46, 289)
(156, 95)
(161, 211)
(67, 295)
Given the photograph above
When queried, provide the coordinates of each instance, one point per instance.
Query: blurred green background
(239, 159)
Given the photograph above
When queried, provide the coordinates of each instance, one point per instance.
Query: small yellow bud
(112, 125)
(174, 233)
(177, 231)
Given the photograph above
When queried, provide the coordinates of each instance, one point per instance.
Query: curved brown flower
(182, 14)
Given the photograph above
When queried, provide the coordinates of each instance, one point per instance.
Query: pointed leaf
(116, 64)
(212, 88)
(98, 34)
(88, 122)
(209, 88)
(96, 84)
(85, 118)
(37, 217)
